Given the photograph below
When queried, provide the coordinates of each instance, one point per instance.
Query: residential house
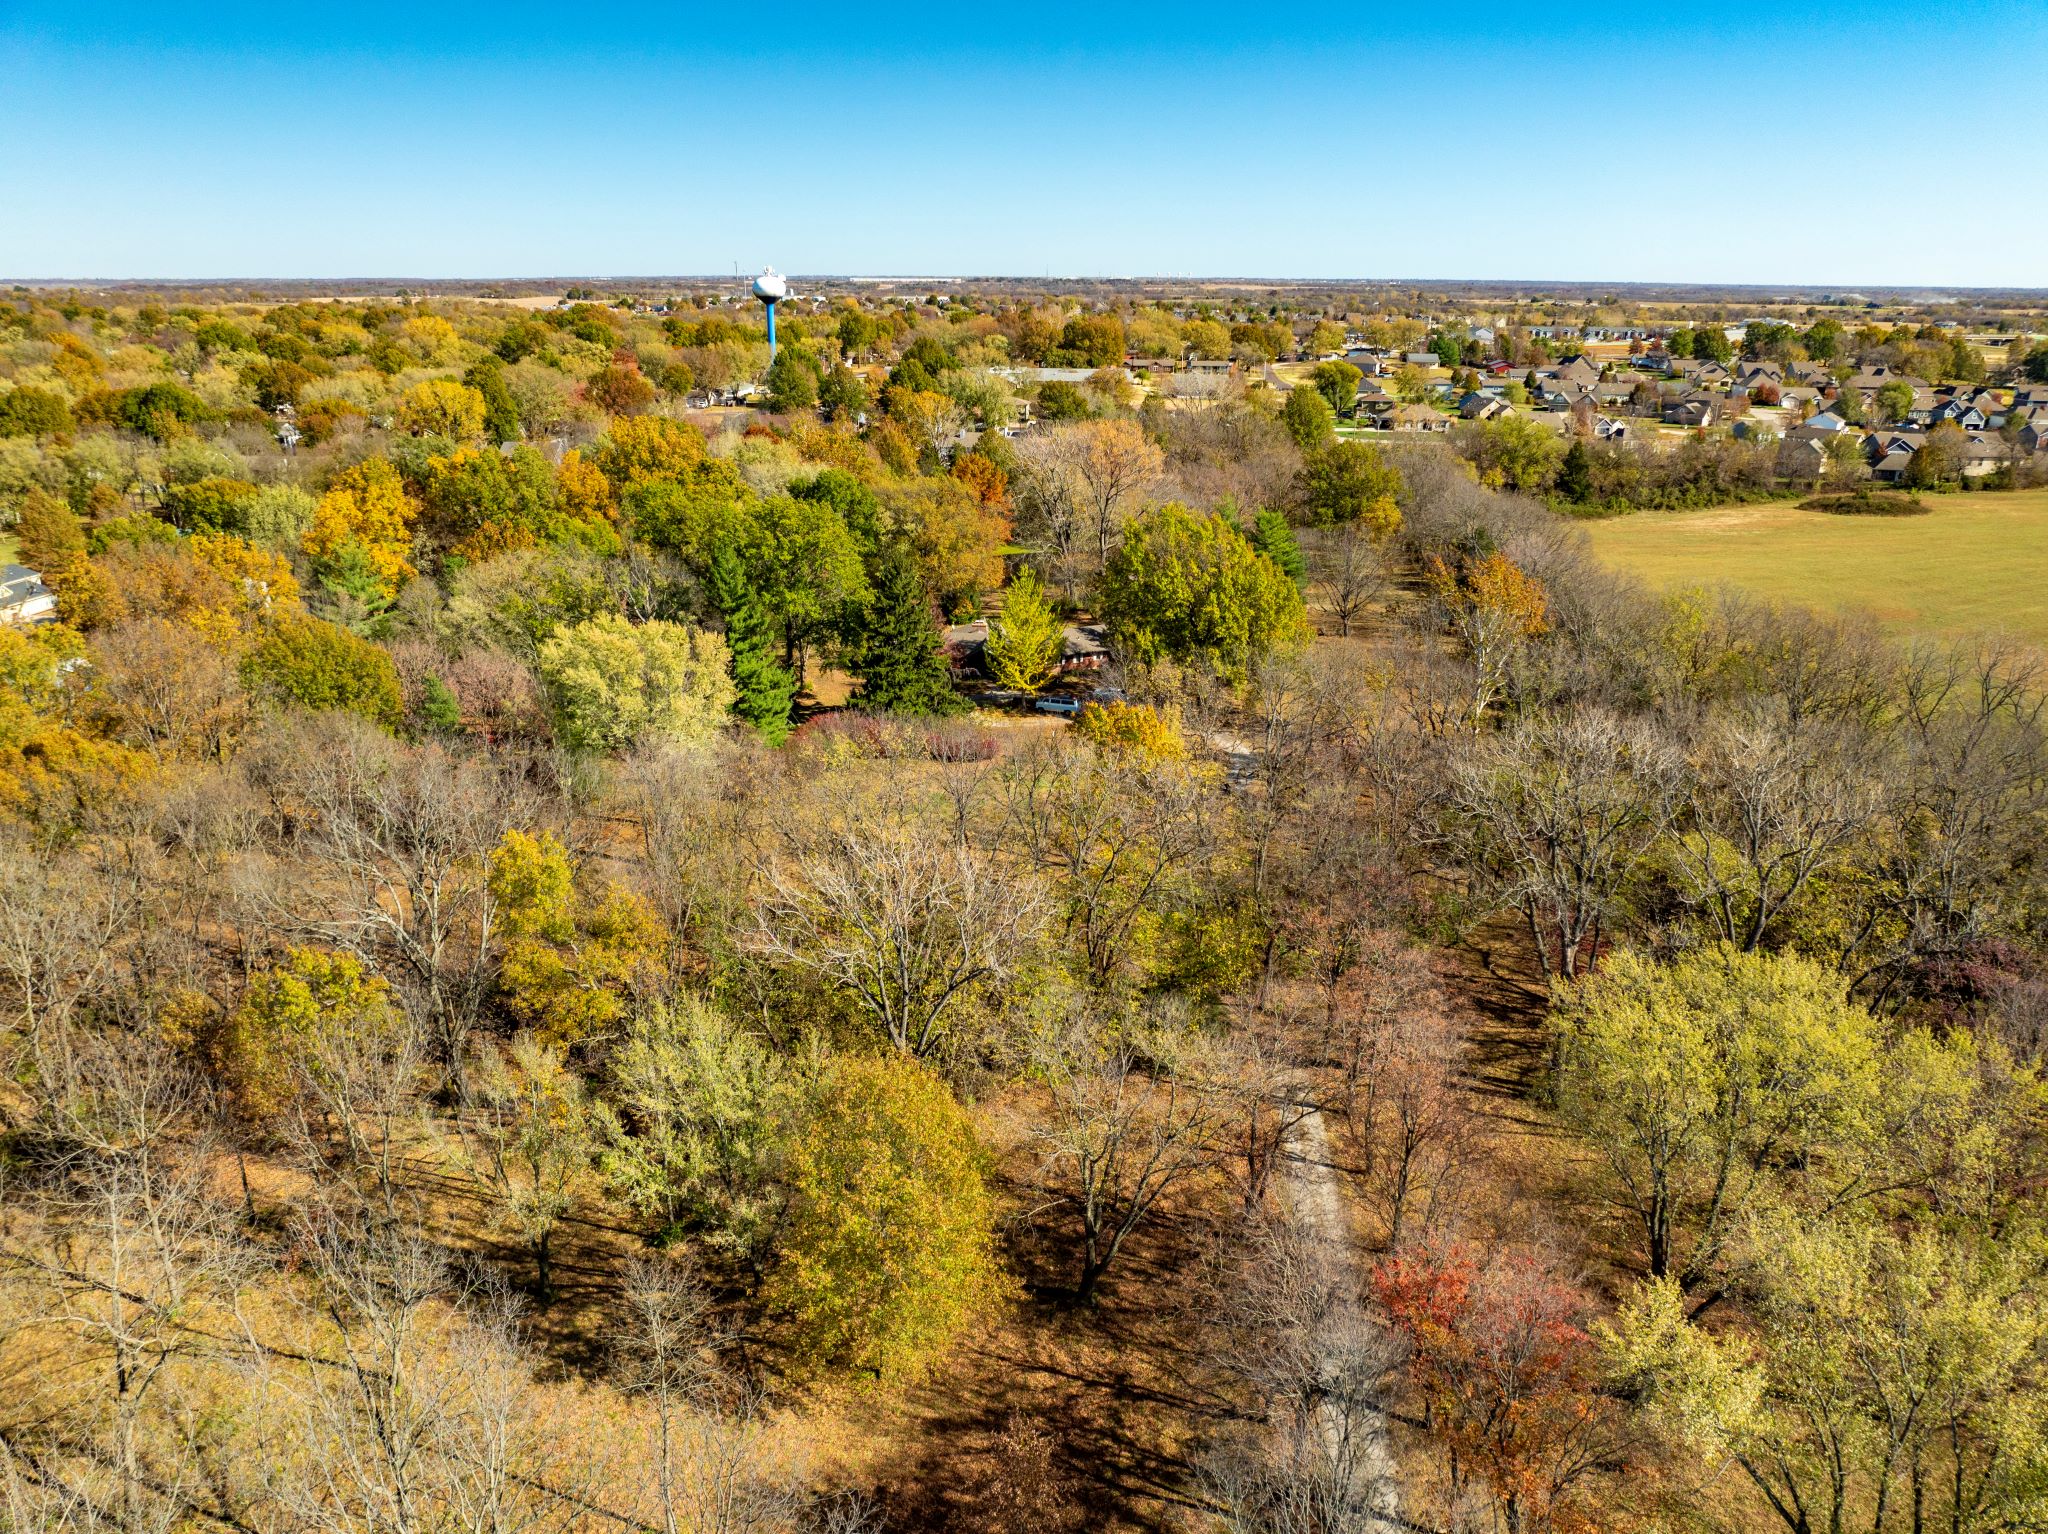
(1825, 424)
(1414, 418)
(1691, 410)
(1576, 370)
(24, 599)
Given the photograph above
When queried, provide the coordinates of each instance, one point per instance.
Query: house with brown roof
(1414, 418)
(1692, 410)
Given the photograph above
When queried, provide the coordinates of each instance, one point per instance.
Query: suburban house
(1413, 418)
(1692, 410)
(24, 599)
(1576, 370)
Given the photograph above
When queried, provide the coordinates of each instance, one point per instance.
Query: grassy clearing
(1978, 562)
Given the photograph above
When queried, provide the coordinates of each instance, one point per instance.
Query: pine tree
(439, 707)
(901, 668)
(1575, 475)
(1272, 537)
(763, 687)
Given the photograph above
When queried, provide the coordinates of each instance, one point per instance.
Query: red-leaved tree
(1504, 1373)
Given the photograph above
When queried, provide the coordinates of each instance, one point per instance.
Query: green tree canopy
(1337, 382)
(321, 665)
(1272, 537)
(1308, 419)
(1192, 588)
(762, 688)
(1692, 1078)
(900, 656)
(1351, 482)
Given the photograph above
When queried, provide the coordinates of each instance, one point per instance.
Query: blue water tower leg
(771, 332)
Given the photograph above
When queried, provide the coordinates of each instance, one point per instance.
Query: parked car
(1066, 706)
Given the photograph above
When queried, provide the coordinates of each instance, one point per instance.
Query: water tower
(771, 287)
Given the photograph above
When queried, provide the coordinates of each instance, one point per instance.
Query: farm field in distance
(1978, 562)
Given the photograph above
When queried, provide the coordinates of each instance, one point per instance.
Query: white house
(24, 598)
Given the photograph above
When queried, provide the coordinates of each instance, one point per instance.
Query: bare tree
(1116, 835)
(910, 924)
(1770, 807)
(67, 923)
(135, 1241)
(1346, 573)
(1083, 479)
(401, 841)
(1286, 1323)
(529, 1144)
(1971, 779)
(1119, 1139)
(696, 811)
(1558, 814)
(1416, 1127)
(426, 1420)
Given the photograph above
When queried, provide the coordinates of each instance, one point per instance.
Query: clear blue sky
(1863, 145)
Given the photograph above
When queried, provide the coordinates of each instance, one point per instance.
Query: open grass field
(1978, 562)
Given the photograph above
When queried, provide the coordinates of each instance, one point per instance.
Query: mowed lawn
(1979, 562)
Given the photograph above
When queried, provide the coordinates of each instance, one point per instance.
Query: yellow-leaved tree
(441, 407)
(886, 1252)
(1026, 639)
(361, 535)
(573, 957)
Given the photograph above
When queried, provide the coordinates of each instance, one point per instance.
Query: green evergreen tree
(1575, 475)
(763, 687)
(901, 668)
(439, 707)
(501, 412)
(1272, 537)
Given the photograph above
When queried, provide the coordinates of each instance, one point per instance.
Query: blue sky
(1878, 144)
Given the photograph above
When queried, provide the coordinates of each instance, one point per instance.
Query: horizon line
(552, 279)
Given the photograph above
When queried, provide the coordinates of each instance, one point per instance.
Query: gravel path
(1309, 1185)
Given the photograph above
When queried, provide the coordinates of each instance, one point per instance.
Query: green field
(1979, 562)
